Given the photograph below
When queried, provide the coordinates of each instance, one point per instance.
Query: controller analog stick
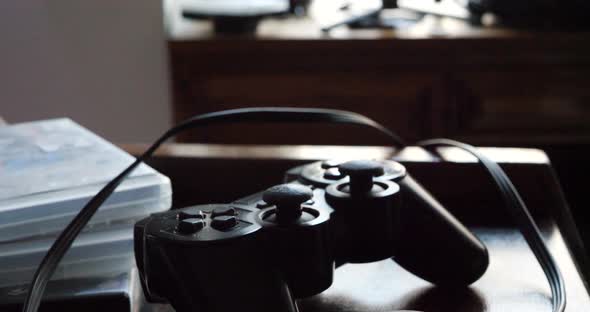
(288, 199)
(361, 173)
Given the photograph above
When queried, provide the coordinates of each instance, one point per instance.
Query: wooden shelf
(440, 77)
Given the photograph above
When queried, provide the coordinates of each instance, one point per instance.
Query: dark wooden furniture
(440, 77)
(514, 282)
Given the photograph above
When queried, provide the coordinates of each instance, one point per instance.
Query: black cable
(522, 216)
(262, 114)
(301, 115)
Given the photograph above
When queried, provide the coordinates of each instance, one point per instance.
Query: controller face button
(183, 215)
(223, 223)
(190, 226)
(333, 174)
(223, 212)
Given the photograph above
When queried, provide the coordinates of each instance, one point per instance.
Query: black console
(263, 252)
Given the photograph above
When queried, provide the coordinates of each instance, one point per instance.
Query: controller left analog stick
(288, 199)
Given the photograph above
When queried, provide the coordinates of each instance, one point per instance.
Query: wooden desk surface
(514, 280)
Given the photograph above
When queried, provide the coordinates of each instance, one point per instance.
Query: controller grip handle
(433, 244)
(193, 283)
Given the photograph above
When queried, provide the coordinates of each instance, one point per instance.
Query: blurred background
(103, 64)
(492, 73)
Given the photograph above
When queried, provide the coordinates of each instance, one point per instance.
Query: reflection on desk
(514, 282)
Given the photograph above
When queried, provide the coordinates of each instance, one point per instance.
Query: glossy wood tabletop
(514, 282)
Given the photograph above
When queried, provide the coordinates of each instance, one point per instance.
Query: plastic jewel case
(48, 171)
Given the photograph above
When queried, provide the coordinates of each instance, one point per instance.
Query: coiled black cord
(300, 115)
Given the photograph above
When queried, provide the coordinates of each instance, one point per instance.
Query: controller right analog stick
(361, 173)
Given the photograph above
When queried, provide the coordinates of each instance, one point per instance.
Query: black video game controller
(263, 252)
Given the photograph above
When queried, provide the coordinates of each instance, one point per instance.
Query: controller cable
(515, 204)
(520, 214)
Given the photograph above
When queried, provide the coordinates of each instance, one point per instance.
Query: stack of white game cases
(48, 171)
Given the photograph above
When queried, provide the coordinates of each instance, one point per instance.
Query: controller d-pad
(190, 226)
(188, 215)
(331, 163)
(223, 223)
(333, 174)
(230, 211)
(262, 204)
(171, 225)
